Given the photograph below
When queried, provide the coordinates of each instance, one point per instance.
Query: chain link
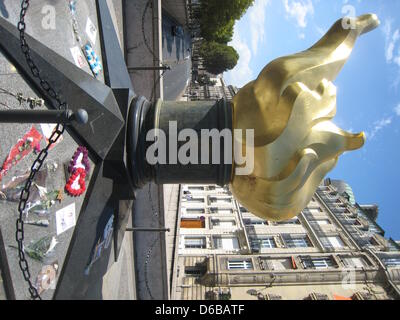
(38, 163)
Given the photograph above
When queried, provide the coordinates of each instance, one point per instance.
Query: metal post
(163, 68)
(43, 116)
(148, 229)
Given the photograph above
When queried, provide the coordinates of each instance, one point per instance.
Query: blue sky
(368, 87)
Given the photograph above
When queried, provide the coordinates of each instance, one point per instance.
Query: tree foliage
(218, 57)
(218, 18)
(217, 21)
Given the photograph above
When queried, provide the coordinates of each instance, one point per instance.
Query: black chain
(38, 163)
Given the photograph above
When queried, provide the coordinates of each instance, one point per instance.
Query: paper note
(91, 31)
(78, 57)
(65, 218)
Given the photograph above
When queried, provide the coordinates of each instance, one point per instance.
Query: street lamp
(289, 107)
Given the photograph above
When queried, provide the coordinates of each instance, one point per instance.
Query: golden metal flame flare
(290, 107)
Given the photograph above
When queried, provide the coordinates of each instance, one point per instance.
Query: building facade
(334, 249)
(216, 91)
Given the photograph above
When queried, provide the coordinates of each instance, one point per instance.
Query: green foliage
(217, 23)
(218, 57)
(218, 18)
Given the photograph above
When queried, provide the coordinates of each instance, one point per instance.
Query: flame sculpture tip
(290, 107)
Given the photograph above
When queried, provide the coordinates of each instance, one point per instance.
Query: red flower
(79, 174)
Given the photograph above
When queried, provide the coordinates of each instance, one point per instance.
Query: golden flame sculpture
(290, 107)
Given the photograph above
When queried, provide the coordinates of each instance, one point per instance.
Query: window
(354, 262)
(332, 242)
(220, 200)
(221, 211)
(301, 241)
(223, 223)
(238, 264)
(278, 263)
(321, 222)
(362, 296)
(197, 188)
(254, 222)
(294, 221)
(262, 243)
(195, 243)
(373, 241)
(193, 223)
(391, 262)
(317, 296)
(194, 200)
(317, 263)
(195, 211)
(273, 297)
(196, 271)
(226, 243)
(316, 211)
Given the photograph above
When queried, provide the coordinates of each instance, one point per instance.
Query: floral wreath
(85, 160)
(80, 175)
(78, 172)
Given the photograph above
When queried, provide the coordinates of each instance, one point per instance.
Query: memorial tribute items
(23, 147)
(91, 31)
(78, 167)
(80, 159)
(41, 248)
(30, 101)
(65, 218)
(93, 59)
(38, 223)
(41, 208)
(46, 277)
(11, 190)
(87, 48)
(76, 184)
(102, 244)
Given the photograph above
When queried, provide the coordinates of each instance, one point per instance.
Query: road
(177, 56)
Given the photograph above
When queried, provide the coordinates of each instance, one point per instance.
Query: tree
(223, 34)
(218, 18)
(218, 57)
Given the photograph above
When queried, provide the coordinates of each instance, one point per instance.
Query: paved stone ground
(60, 40)
(177, 56)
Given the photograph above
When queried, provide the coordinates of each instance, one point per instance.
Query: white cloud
(242, 73)
(299, 10)
(257, 23)
(378, 126)
(320, 31)
(392, 38)
(397, 110)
